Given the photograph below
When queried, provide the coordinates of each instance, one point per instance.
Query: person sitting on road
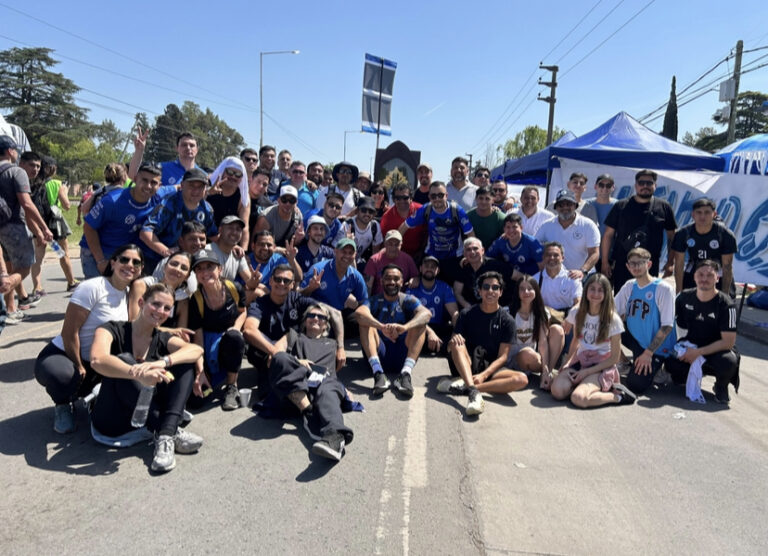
(708, 317)
(175, 277)
(589, 375)
(63, 366)
(303, 378)
(438, 298)
(134, 355)
(392, 330)
(479, 348)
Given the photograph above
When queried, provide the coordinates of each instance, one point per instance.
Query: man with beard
(438, 298)
(500, 200)
(424, 180)
(364, 230)
(313, 250)
(578, 235)
(391, 254)
(402, 207)
(267, 161)
(265, 256)
(345, 174)
(533, 216)
(638, 221)
(392, 329)
(315, 173)
(474, 264)
(330, 213)
(460, 189)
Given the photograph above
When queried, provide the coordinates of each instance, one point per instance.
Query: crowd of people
(188, 272)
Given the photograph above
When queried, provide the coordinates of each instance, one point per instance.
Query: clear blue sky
(459, 67)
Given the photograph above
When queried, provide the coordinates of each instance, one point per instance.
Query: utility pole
(736, 78)
(470, 161)
(550, 99)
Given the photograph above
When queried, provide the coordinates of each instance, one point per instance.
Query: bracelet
(167, 361)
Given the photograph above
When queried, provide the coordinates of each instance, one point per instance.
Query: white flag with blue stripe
(378, 83)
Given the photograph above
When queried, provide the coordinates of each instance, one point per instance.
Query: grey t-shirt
(281, 229)
(13, 180)
(231, 266)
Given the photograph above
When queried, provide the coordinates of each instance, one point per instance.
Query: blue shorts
(18, 248)
(392, 354)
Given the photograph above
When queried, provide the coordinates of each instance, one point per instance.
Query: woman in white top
(538, 344)
(175, 274)
(63, 366)
(589, 375)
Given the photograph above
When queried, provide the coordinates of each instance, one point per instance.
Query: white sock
(408, 366)
(375, 364)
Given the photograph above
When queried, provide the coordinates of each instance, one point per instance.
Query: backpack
(42, 203)
(198, 296)
(5, 209)
(454, 211)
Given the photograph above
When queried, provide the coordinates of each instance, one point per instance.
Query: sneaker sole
(471, 410)
(322, 449)
(159, 469)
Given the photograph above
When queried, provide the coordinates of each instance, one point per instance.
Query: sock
(375, 364)
(408, 366)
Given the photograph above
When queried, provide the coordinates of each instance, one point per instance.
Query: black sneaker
(231, 397)
(404, 385)
(626, 396)
(380, 384)
(721, 394)
(331, 446)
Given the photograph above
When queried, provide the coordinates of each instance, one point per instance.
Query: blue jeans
(90, 269)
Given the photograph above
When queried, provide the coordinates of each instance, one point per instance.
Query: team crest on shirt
(648, 295)
(323, 286)
(171, 181)
(714, 244)
(423, 300)
(520, 259)
(577, 235)
(130, 219)
(437, 300)
(294, 314)
(691, 242)
(200, 216)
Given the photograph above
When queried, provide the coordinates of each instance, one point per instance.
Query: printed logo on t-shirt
(691, 242)
(714, 244)
(171, 181)
(200, 216)
(649, 295)
(437, 300)
(294, 314)
(577, 235)
(130, 219)
(323, 286)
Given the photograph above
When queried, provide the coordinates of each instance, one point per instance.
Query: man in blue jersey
(117, 217)
(647, 305)
(174, 170)
(162, 229)
(522, 252)
(392, 331)
(330, 212)
(313, 250)
(446, 222)
(437, 296)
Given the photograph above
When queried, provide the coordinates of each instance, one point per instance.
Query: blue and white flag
(378, 83)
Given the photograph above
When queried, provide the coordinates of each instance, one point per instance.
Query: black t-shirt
(321, 351)
(122, 340)
(275, 320)
(224, 206)
(419, 197)
(220, 319)
(485, 330)
(635, 227)
(467, 276)
(704, 321)
(713, 245)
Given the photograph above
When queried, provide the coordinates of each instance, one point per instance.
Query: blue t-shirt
(444, 231)
(397, 311)
(602, 212)
(644, 318)
(306, 259)
(434, 299)
(307, 199)
(333, 291)
(333, 229)
(173, 172)
(118, 218)
(522, 257)
(169, 216)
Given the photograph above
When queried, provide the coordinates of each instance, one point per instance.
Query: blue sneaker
(64, 418)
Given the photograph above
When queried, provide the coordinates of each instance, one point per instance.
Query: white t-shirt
(531, 225)
(191, 279)
(104, 303)
(364, 238)
(558, 292)
(524, 330)
(349, 199)
(588, 335)
(576, 239)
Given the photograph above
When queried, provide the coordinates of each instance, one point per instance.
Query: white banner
(742, 202)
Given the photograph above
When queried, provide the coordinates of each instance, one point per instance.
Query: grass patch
(71, 216)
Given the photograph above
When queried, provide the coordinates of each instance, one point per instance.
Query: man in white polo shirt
(579, 236)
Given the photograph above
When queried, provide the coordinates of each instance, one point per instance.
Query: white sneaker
(451, 385)
(164, 460)
(15, 318)
(185, 442)
(476, 403)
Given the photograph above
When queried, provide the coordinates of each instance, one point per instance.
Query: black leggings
(114, 407)
(723, 365)
(636, 382)
(57, 373)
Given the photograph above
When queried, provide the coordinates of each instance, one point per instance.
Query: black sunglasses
(401, 197)
(288, 200)
(317, 316)
(436, 195)
(137, 263)
(281, 280)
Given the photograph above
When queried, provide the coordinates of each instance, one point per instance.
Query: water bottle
(141, 411)
(93, 395)
(57, 248)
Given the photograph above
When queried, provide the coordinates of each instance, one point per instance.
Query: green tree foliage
(670, 116)
(531, 139)
(749, 121)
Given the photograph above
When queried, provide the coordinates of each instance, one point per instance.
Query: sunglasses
(483, 176)
(603, 185)
(251, 159)
(318, 316)
(233, 172)
(645, 182)
(137, 263)
(492, 287)
(437, 195)
(638, 264)
(345, 171)
(281, 280)
(401, 198)
(499, 190)
(177, 264)
(334, 206)
(288, 200)
(367, 211)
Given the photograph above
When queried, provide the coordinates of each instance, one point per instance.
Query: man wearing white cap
(282, 219)
(391, 254)
(313, 250)
(364, 182)
(364, 230)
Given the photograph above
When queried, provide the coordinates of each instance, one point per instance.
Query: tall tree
(670, 116)
(41, 101)
(168, 126)
(530, 140)
(750, 120)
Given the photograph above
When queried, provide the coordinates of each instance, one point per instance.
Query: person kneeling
(135, 355)
(480, 346)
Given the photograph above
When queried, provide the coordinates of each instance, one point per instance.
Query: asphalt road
(530, 475)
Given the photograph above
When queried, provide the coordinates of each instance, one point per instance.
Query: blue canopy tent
(531, 168)
(621, 141)
(747, 156)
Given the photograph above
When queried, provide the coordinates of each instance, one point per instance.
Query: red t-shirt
(379, 260)
(414, 239)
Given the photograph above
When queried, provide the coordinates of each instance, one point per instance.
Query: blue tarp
(747, 156)
(621, 141)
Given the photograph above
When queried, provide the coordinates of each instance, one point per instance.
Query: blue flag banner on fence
(378, 83)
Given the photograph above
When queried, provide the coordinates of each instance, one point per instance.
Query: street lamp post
(345, 140)
(261, 89)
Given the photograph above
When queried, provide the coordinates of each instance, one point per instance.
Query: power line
(568, 34)
(588, 33)
(609, 37)
(296, 137)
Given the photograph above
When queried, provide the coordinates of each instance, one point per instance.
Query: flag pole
(378, 117)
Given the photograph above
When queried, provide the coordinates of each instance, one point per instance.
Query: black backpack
(5, 209)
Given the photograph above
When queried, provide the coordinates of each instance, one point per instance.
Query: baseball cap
(205, 256)
(423, 165)
(565, 195)
(289, 190)
(230, 218)
(366, 202)
(344, 242)
(316, 219)
(7, 142)
(430, 258)
(393, 234)
(195, 174)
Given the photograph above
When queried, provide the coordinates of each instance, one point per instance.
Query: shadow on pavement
(17, 371)
(674, 396)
